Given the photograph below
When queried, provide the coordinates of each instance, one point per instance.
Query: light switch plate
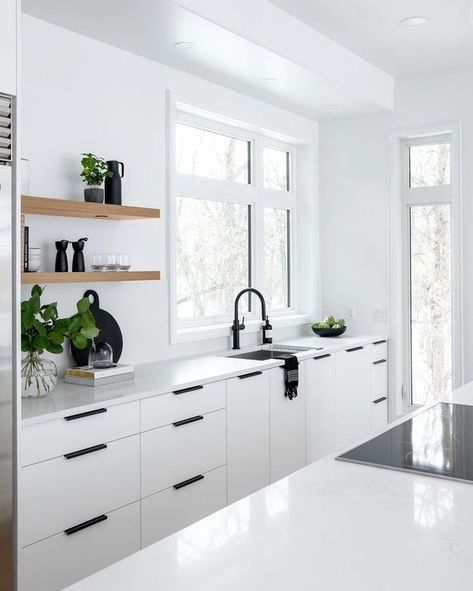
(350, 312)
(380, 314)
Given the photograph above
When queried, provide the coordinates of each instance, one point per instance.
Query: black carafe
(61, 256)
(78, 263)
(113, 184)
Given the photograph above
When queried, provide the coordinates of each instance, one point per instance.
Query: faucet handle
(242, 325)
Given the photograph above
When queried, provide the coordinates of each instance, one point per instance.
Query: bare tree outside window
(430, 276)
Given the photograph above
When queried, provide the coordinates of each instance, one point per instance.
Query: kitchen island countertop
(332, 526)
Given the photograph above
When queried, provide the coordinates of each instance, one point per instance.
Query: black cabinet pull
(184, 390)
(187, 421)
(379, 361)
(377, 401)
(323, 356)
(89, 413)
(85, 524)
(378, 342)
(83, 452)
(250, 375)
(354, 349)
(187, 482)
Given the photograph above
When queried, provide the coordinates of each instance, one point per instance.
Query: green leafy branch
(43, 330)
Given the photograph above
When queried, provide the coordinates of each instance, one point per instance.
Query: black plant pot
(93, 195)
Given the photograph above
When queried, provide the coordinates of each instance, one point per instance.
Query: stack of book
(93, 376)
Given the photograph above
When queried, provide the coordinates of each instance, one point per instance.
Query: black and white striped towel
(291, 370)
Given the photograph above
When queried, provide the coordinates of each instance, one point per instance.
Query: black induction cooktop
(436, 442)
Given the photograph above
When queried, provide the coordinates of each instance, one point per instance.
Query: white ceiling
(311, 70)
(370, 28)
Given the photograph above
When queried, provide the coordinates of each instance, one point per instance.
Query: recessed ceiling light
(268, 81)
(414, 22)
(185, 45)
(328, 107)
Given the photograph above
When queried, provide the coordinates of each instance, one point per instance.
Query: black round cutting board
(109, 332)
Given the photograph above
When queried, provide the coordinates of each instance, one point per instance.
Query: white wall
(79, 95)
(354, 197)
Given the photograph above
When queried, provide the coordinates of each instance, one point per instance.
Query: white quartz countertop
(152, 379)
(332, 526)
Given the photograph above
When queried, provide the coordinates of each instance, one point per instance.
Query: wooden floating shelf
(82, 209)
(90, 277)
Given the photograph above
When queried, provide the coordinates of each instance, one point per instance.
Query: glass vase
(38, 376)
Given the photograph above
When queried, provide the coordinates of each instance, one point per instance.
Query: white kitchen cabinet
(248, 459)
(78, 430)
(287, 425)
(177, 452)
(320, 407)
(172, 509)
(379, 386)
(353, 395)
(60, 493)
(59, 561)
(8, 16)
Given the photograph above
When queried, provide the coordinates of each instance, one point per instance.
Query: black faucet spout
(237, 326)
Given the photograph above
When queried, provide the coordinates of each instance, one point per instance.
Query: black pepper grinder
(78, 263)
(61, 256)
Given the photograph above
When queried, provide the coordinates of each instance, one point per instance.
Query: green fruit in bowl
(330, 322)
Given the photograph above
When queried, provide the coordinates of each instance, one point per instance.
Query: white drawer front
(168, 408)
(172, 454)
(379, 350)
(379, 379)
(379, 415)
(59, 561)
(61, 493)
(55, 438)
(171, 510)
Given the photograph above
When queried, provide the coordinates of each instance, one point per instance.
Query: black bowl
(329, 332)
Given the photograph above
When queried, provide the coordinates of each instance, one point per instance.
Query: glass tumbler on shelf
(98, 262)
(101, 355)
(111, 262)
(123, 262)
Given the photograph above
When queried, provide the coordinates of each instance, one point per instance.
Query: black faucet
(237, 326)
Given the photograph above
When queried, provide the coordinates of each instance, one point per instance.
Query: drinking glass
(123, 262)
(98, 262)
(111, 262)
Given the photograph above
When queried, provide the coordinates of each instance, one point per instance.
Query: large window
(428, 314)
(233, 207)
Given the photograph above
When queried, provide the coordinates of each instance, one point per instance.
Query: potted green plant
(94, 172)
(43, 330)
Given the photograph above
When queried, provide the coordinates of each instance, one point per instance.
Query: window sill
(201, 333)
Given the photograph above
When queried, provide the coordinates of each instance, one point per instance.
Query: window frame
(402, 198)
(253, 194)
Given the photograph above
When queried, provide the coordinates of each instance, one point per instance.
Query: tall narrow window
(431, 302)
(428, 237)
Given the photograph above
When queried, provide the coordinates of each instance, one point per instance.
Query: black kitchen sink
(265, 354)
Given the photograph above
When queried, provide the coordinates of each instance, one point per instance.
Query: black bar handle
(323, 356)
(83, 452)
(85, 524)
(250, 375)
(354, 349)
(378, 400)
(189, 420)
(379, 361)
(378, 342)
(89, 413)
(187, 482)
(184, 390)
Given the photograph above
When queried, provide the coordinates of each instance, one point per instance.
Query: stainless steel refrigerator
(7, 411)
